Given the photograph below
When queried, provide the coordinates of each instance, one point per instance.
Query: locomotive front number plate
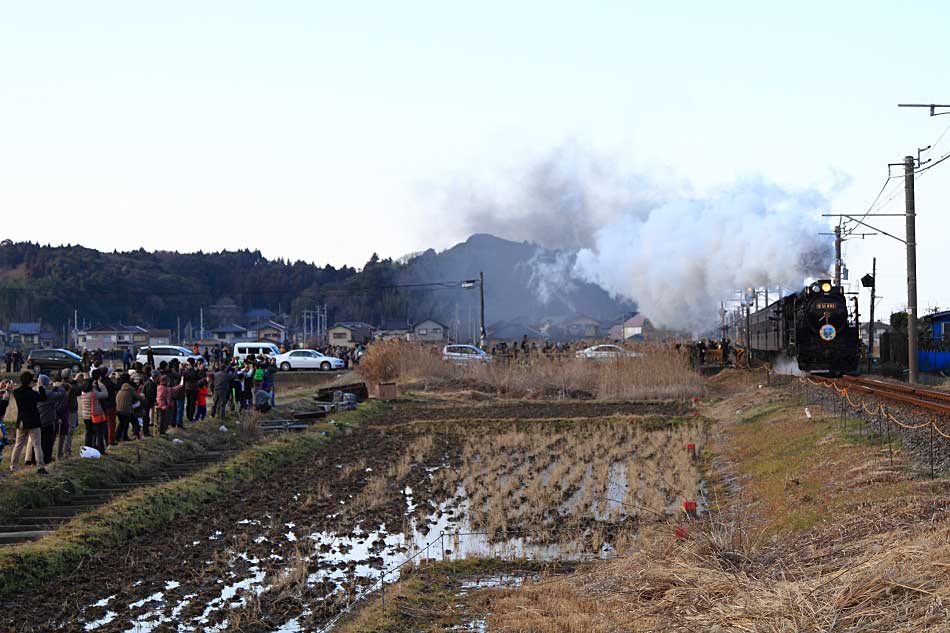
(826, 306)
(827, 332)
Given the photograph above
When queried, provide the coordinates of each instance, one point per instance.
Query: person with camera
(92, 414)
(28, 422)
(48, 415)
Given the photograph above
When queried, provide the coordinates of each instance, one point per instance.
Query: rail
(894, 393)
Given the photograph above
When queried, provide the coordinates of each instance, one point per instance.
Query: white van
(243, 350)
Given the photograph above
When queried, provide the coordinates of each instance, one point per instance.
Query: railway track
(927, 399)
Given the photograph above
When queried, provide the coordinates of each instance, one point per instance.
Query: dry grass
(659, 373)
(826, 536)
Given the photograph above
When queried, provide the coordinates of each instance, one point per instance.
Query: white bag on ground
(89, 452)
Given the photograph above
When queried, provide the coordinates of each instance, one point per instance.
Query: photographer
(28, 421)
(92, 413)
(48, 415)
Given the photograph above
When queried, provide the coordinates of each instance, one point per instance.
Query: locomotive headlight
(815, 288)
(826, 287)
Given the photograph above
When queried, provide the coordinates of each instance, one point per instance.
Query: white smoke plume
(676, 255)
(681, 259)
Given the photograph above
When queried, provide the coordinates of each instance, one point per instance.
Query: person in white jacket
(90, 410)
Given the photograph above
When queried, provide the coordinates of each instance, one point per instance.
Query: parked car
(465, 354)
(243, 350)
(46, 360)
(307, 359)
(166, 353)
(606, 351)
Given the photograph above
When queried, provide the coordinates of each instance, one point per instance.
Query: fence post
(382, 589)
(442, 544)
(890, 450)
(931, 448)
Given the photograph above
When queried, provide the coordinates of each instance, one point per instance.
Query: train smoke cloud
(682, 258)
(676, 255)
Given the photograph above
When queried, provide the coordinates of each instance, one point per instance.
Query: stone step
(19, 537)
(58, 511)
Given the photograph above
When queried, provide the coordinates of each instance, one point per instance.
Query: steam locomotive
(812, 326)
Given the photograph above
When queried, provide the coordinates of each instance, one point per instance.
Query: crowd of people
(124, 404)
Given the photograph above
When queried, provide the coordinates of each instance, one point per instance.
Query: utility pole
(481, 302)
(911, 238)
(873, 281)
(837, 281)
(201, 312)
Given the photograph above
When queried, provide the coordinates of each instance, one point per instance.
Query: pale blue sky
(314, 130)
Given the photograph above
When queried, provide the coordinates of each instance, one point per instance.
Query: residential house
(583, 327)
(229, 332)
(430, 331)
(159, 337)
(110, 337)
(939, 323)
(268, 331)
(879, 329)
(350, 334)
(24, 334)
(393, 329)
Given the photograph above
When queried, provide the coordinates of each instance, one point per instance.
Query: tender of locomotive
(812, 326)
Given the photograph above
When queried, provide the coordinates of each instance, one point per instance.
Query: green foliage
(48, 283)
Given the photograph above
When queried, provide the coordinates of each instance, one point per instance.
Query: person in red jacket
(202, 400)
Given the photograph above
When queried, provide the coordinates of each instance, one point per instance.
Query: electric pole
(481, 301)
(873, 284)
(911, 239)
(837, 281)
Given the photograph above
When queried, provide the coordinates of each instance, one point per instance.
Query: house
(111, 337)
(269, 331)
(637, 327)
(939, 323)
(24, 334)
(430, 331)
(879, 329)
(350, 334)
(582, 327)
(258, 315)
(159, 337)
(229, 332)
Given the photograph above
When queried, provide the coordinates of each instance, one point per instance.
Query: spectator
(91, 412)
(70, 421)
(221, 385)
(8, 357)
(262, 400)
(127, 360)
(49, 415)
(124, 401)
(28, 421)
(165, 403)
(190, 376)
(150, 393)
(150, 357)
(201, 401)
(108, 405)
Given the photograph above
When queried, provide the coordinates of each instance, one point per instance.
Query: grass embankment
(128, 461)
(28, 565)
(801, 472)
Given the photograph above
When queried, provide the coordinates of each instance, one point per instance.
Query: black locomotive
(812, 326)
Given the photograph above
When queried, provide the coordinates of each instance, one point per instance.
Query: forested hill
(157, 288)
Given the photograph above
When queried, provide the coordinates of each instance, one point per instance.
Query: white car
(243, 350)
(166, 353)
(606, 351)
(465, 354)
(307, 359)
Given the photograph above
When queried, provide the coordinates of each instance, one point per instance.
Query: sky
(326, 131)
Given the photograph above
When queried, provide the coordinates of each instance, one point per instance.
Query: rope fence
(880, 413)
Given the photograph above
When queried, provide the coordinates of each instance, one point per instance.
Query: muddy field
(515, 480)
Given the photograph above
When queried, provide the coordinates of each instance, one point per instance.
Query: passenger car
(307, 359)
(606, 351)
(166, 353)
(243, 350)
(44, 360)
(465, 354)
